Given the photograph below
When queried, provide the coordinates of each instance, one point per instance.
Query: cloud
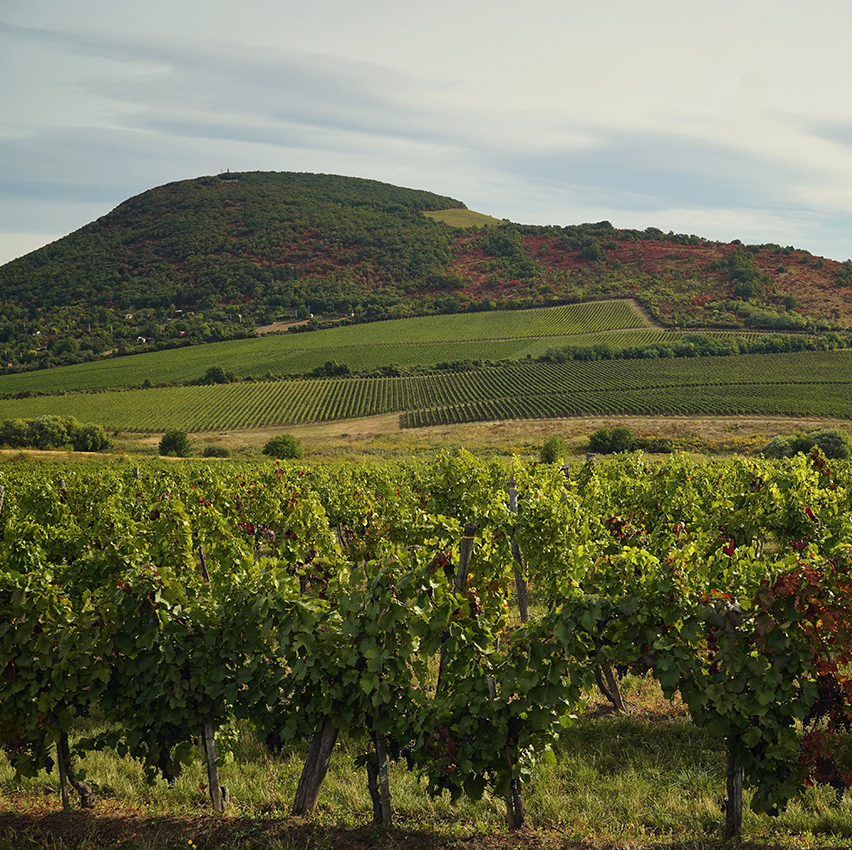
(659, 120)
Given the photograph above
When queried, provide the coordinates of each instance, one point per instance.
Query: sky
(729, 120)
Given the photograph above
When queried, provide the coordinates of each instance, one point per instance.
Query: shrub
(54, 432)
(175, 443)
(48, 432)
(217, 375)
(833, 442)
(778, 447)
(622, 439)
(14, 433)
(283, 447)
(89, 438)
(553, 450)
(216, 451)
(601, 441)
(658, 445)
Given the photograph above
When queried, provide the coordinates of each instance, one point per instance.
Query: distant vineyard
(407, 342)
(784, 384)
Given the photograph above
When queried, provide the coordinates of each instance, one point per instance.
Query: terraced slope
(774, 384)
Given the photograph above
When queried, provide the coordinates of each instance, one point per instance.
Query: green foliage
(331, 369)
(284, 447)
(175, 442)
(331, 594)
(619, 439)
(216, 451)
(832, 442)
(217, 375)
(553, 449)
(54, 432)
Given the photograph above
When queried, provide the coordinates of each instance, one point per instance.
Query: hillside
(210, 259)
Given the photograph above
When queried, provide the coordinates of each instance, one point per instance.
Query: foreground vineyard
(801, 384)
(380, 602)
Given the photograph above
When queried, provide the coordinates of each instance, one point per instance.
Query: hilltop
(213, 258)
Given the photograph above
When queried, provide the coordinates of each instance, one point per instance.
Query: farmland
(808, 383)
(407, 342)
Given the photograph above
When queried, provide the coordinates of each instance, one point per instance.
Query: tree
(175, 443)
(48, 432)
(283, 447)
(217, 375)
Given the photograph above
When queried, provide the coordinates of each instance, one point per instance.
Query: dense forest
(216, 257)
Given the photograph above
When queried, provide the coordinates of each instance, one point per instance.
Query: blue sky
(724, 119)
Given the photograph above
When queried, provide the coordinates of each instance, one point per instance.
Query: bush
(48, 432)
(216, 451)
(833, 443)
(175, 443)
(15, 433)
(601, 441)
(283, 447)
(217, 375)
(553, 450)
(778, 447)
(622, 439)
(89, 438)
(54, 432)
(654, 445)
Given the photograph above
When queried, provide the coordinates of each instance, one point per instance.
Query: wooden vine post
(218, 794)
(734, 802)
(520, 582)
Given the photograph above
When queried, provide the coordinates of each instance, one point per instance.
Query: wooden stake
(205, 576)
(63, 780)
(520, 583)
(209, 741)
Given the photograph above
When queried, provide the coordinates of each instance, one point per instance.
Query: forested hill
(212, 258)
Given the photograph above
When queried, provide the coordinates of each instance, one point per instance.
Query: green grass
(462, 218)
(804, 384)
(648, 779)
(425, 340)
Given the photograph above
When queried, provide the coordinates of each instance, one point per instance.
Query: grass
(649, 779)
(462, 218)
